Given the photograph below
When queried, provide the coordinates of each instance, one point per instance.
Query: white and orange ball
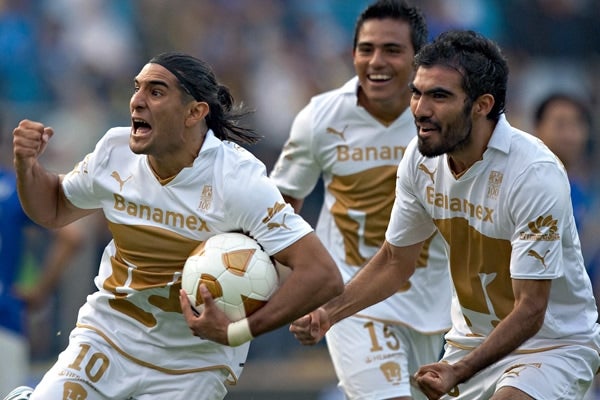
(240, 275)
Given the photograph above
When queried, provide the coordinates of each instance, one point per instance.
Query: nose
(419, 107)
(377, 58)
(137, 100)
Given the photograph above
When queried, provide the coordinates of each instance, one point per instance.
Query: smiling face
(164, 120)
(383, 62)
(442, 111)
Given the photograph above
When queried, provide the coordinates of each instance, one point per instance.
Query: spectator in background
(564, 123)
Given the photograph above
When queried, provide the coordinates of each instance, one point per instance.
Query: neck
(385, 111)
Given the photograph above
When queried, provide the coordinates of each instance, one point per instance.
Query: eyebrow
(386, 44)
(155, 82)
(437, 89)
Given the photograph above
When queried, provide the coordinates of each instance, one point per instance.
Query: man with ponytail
(180, 157)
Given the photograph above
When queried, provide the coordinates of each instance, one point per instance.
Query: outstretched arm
(383, 275)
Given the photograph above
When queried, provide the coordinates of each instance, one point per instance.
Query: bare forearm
(313, 281)
(522, 323)
(38, 192)
(383, 275)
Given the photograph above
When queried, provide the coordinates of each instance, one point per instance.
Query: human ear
(484, 103)
(197, 112)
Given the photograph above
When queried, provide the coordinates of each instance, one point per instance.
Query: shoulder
(237, 162)
(322, 105)
(520, 147)
(115, 137)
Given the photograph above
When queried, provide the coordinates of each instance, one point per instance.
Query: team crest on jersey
(74, 391)
(206, 197)
(494, 183)
(391, 371)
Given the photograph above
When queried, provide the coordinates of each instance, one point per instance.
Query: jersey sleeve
(409, 222)
(258, 207)
(541, 209)
(78, 184)
(296, 172)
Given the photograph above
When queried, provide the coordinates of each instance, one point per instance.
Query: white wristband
(239, 332)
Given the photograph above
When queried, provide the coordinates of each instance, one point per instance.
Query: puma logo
(429, 173)
(536, 255)
(271, 211)
(273, 225)
(334, 131)
(118, 178)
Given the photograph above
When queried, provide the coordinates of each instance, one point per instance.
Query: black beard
(445, 147)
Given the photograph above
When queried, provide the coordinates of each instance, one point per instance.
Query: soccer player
(523, 314)
(354, 137)
(170, 181)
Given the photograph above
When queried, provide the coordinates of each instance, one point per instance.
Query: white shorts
(561, 373)
(90, 369)
(373, 360)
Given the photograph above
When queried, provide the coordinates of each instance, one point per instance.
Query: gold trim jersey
(155, 226)
(357, 157)
(509, 216)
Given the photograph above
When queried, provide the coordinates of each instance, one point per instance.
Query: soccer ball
(240, 276)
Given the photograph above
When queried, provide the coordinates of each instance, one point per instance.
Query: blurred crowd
(71, 63)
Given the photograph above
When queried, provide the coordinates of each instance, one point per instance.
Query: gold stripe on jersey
(156, 262)
(370, 193)
(232, 380)
(526, 351)
(398, 323)
(484, 290)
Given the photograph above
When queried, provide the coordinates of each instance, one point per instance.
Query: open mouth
(140, 126)
(379, 78)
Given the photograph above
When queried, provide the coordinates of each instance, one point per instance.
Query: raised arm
(40, 191)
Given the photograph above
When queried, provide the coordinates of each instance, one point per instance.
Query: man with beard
(523, 314)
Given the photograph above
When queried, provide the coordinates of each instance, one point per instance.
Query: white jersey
(357, 157)
(507, 217)
(155, 226)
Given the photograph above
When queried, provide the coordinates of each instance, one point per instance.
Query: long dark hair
(198, 80)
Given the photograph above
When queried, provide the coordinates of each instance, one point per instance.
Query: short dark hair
(546, 102)
(479, 60)
(198, 80)
(400, 10)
